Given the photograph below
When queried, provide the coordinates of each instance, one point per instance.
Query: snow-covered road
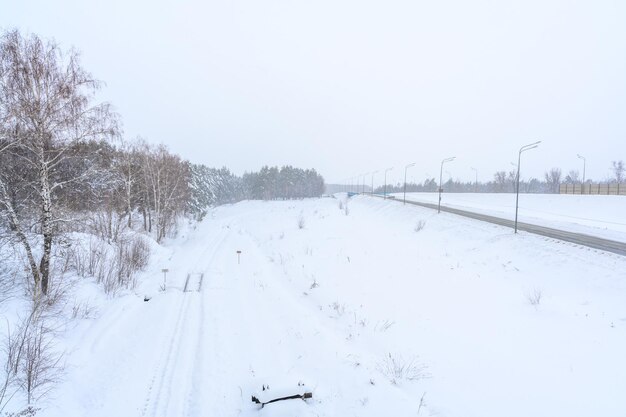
(374, 316)
(595, 215)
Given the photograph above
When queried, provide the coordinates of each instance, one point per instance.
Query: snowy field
(375, 316)
(598, 215)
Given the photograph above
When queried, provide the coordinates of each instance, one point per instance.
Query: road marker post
(165, 271)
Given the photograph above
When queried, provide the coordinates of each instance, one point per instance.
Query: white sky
(349, 86)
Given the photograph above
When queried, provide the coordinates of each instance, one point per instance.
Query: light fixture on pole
(385, 191)
(405, 169)
(519, 160)
(452, 158)
(476, 186)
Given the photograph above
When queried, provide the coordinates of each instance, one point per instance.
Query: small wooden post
(165, 271)
(238, 257)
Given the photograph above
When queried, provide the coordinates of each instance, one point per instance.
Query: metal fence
(594, 189)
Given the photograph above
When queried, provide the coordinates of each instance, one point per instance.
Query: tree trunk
(15, 226)
(46, 226)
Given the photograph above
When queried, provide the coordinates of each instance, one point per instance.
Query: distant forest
(66, 167)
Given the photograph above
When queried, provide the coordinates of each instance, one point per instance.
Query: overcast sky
(349, 87)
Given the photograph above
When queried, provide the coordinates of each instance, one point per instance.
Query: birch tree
(46, 101)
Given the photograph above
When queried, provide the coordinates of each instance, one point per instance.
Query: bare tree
(573, 177)
(553, 179)
(46, 110)
(39, 367)
(130, 175)
(165, 181)
(618, 170)
(499, 179)
(512, 180)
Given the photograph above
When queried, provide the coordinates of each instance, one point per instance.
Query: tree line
(65, 166)
(505, 182)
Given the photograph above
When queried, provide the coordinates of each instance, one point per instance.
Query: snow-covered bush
(419, 225)
(31, 363)
(301, 222)
(39, 366)
(115, 264)
(121, 262)
(8, 277)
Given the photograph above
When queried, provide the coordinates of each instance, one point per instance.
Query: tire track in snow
(163, 365)
(194, 377)
(160, 398)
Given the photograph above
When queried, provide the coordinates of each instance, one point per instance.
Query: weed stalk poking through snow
(397, 369)
(534, 297)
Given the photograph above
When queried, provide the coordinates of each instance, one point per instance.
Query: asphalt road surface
(577, 238)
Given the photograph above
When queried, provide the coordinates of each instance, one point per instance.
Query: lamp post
(385, 192)
(476, 186)
(452, 158)
(375, 172)
(405, 169)
(582, 186)
(363, 188)
(519, 160)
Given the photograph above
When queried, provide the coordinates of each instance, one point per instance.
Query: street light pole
(519, 160)
(375, 172)
(440, 177)
(405, 169)
(363, 188)
(582, 186)
(476, 187)
(385, 192)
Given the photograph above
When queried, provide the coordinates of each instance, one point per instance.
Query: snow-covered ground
(373, 315)
(598, 215)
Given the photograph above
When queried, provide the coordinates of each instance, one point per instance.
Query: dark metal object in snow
(304, 396)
